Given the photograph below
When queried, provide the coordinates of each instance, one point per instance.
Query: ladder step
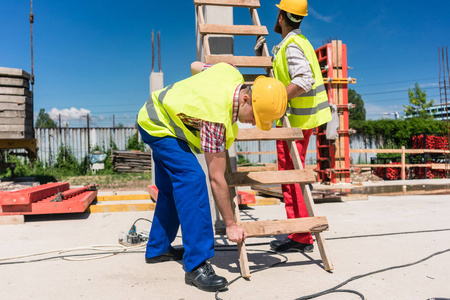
(252, 134)
(250, 78)
(236, 3)
(275, 227)
(241, 61)
(205, 28)
(270, 177)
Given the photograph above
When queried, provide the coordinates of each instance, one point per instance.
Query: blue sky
(95, 56)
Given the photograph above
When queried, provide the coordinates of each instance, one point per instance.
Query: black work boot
(204, 278)
(172, 254)
(288, 245)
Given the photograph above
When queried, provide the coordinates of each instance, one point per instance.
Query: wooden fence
(403, 165)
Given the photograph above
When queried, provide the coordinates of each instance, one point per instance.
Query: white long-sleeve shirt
(298, 66)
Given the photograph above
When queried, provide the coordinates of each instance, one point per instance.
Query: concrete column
(156, 83)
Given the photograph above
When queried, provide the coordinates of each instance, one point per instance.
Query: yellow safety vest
(310, 109)
(207, 96)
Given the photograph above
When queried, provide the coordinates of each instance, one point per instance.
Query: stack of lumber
(131, 161)
(16, 104)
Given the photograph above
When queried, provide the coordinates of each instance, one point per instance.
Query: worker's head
(263, 104)
(291, 14)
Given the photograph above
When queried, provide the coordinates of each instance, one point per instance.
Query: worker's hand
(236, 233)
(260, 41)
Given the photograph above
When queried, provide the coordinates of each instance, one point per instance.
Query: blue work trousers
(182, 200)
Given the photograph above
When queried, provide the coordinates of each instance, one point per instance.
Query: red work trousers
(292, 193)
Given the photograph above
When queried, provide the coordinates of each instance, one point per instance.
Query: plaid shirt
(212, 135)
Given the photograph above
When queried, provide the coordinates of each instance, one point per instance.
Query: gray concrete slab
(13, 72)
(364, 236)
(4, 90)
(20, 82)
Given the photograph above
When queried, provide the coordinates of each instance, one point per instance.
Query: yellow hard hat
(296, 7)
(269, 101)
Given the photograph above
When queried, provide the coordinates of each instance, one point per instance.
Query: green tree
(44, 121)
(418, 103)
(358, 113)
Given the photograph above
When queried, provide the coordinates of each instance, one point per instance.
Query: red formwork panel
(245, 198)
(32, 194)
(327, 169)
(47, 199)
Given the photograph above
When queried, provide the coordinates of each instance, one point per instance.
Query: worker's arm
(293, 91)
(216, 166)
(197, 67)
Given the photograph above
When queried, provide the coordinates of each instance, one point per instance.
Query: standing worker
(296, 65)
(199, 114)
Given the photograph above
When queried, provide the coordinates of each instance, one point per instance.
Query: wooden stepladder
(314, 224)
(300, 175)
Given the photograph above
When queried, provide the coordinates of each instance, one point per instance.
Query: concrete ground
(364, 236)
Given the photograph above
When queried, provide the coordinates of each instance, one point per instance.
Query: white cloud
(316, 15)
(68, 114)
(375, 112)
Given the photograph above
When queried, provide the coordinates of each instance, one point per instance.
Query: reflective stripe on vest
(207, 96)
(307, 111)
(311, 109)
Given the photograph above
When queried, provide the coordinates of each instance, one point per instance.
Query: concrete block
(16, 135)
(15, 106)
(11, 72)
(19, 82)
(16, 121)
(12, 220)
(16, 99)
(15, 91)
(16, 114)
(14, 128)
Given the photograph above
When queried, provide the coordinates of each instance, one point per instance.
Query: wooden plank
(250, 78)
(232, 29)
(267, 167)
(270, 177)
(277, 227)
(256, 152)
(241, 61)
(440, 166)
(308, 199)
(274, 134)
(413, 151)
(235, 3)
(242, 250)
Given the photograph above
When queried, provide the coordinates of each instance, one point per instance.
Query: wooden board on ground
(319, 196)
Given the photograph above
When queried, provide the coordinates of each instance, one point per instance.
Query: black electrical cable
(71, 255)
(144, 219)
(334, 289)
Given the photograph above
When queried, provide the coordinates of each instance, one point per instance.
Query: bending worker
(199, 115)
(295, 64)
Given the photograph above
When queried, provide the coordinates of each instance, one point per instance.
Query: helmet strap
(291, 17)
